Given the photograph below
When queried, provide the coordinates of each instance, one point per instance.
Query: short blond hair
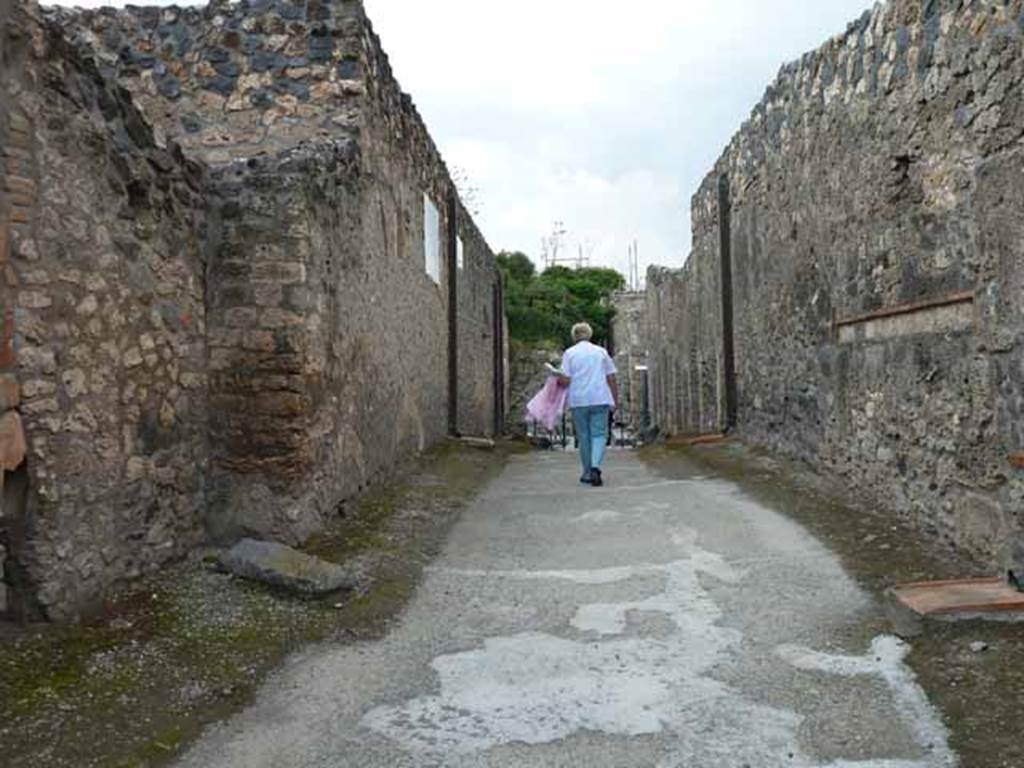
(582, 332)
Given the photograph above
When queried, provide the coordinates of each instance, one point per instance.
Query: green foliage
(543, 308)
(517, 267)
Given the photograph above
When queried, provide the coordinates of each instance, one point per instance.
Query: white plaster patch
(599, 516)
(684, 602)
(651, 506)
(886, 660)
(536, 688)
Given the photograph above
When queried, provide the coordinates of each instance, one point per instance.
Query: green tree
(516, 266)
(543, 308)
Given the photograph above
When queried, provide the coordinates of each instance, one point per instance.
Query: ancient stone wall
(235, 79)
(629, 345)
(876, 249)
(348, 374)
(230, 309)
(104, 231)
(284, 241)
(478, 306)
(12, 435)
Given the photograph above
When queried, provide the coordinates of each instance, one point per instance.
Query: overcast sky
(603, 115)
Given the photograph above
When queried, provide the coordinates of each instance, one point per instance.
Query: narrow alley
(299, 301)
(657, 622)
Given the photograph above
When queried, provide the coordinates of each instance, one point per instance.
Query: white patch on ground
(650, 506)
(611, 515)
(599, 516)
(684, 601)
(536, 688)
(886, 660)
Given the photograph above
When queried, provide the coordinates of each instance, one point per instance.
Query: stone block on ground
(484, 443)
(281, 566)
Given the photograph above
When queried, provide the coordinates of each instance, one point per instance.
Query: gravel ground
(138, 681)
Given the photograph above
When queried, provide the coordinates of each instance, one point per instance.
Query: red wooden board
(965, 596)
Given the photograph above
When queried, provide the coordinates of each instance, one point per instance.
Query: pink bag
(549, 404)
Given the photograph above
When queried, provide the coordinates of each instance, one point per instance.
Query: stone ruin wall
(232, 81)
(873, 209)
(224, 325)
(105, 329)
(629, 346)
(12, 436)
(481, 399)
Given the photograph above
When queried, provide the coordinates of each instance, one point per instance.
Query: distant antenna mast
(551, 248)
(552, 245)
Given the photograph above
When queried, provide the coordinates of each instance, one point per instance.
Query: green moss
(379, 603)
(53, 663)
(160, 747)
(358, 533)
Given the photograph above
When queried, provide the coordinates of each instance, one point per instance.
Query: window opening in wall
(460, 253)
(431, 239)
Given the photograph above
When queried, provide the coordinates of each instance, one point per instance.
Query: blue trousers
(592, 432)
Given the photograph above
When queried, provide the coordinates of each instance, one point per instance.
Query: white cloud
(526, 192)
(603, 116)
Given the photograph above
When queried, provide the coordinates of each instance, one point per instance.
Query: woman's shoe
(595, 478)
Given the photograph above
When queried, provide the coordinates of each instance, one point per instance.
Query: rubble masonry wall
(877, 255)
(218, 318)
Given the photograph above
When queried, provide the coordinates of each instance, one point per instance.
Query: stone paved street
(656, 622)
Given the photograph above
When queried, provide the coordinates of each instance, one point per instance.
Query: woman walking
(593, 394)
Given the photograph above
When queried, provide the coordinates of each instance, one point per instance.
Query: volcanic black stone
(169, 86)
(261, 98)
(228, 69)
(349, 69)
(265, 61)
(292, 87)
(220, 84)
(191, 122)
